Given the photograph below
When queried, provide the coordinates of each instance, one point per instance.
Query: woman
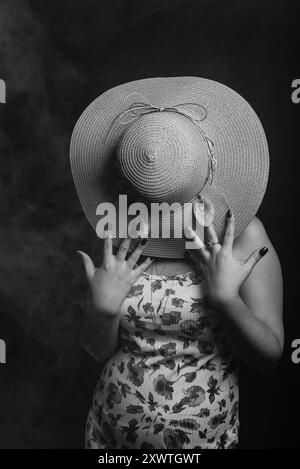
(171, 338)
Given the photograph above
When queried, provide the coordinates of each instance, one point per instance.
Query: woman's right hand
(110, 283)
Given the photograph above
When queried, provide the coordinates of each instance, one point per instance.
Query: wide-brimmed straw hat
(170, 140)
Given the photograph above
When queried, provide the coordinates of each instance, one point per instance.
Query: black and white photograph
(148, 231)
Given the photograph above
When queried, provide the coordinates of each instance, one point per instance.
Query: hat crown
(163, 158)
(150, 153)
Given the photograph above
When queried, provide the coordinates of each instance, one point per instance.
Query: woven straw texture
(162, 156)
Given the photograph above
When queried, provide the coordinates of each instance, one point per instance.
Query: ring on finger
(211, 244)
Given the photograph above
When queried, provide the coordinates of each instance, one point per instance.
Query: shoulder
(252, 237)
(255, 230)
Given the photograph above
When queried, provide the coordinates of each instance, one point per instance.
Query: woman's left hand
(222, 273)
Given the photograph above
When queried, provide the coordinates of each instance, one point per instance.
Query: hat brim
(240, 148)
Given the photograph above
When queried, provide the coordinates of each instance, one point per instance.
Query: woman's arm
(250, 312)
(253, 318)
(108, 286)
(99, 335)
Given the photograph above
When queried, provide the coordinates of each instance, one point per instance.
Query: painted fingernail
(263, 251)
(229, 213)
(144, 241)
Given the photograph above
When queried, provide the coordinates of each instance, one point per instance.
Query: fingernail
(263, 251)
(229, 213)
(144, 241)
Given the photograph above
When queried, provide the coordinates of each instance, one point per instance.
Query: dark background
(56, 57)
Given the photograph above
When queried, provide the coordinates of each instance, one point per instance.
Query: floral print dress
(173, 383)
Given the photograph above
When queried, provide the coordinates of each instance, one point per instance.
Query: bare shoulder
(267, 273)
(254, 236)
(254, 232)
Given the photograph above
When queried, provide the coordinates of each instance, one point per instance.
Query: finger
(199, 245)
(210, 234)
(123, 249)
(134, 257)
(107, 248)
(143, 266)
(211, 237)
(229, 231)
(254, 258)
(88, 264)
